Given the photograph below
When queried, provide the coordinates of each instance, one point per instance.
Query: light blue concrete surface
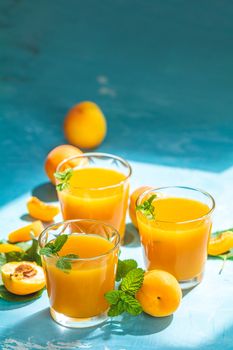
(162, 72)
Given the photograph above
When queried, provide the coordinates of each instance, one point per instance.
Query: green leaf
(124, 266)
(131, 305)
(113, 296)
(3, 260)
(15, 256)
(46, 251)
(4, 294)
(116, 309)
(32, 253)
(147, 208)
(59, 242)
(64, 178)
(132, 281)
(63, 264)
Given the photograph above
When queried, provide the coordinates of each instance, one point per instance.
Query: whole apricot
(132, 206)
(22, 277)
(56, 156)
(160, 294)
(85, 125)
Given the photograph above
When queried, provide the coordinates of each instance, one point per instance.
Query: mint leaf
(15, 256)
(46, 251)
(131, 305)
(58, 243)
(63, 264)
(124, 266)
(113, 296)
(64, 178)
(147, 208)
(116, 309)
(123, 299)
(32, 253)
(132, 281)
(3, 260)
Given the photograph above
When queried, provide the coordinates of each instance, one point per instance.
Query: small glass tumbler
(76, 290)
(104, 191)
(176, 240)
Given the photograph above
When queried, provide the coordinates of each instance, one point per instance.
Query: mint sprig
(64, 179)
(123, 299)
(124, 266)
(132, 282)
(52, 249)
(63, 262)
(147, 208)
(31, 254)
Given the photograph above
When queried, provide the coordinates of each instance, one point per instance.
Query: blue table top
(162, 73)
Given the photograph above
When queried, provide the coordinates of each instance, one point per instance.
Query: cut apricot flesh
(23, 277)
(7, 248)
(26, 233)
(41, 210)
(221, 243)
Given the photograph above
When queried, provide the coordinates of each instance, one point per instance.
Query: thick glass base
(187, 284)
(78, 322)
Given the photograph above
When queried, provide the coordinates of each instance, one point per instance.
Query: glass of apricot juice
(175, 234)
(81, 272)
(97, 188)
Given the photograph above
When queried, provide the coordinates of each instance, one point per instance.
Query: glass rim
(116, 245)
(100, 154)
(140, 197)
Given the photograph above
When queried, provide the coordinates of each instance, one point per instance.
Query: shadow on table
(26, 217)
(132, 238)
(140, 326)
(47, 331)
(45, 192)
(9, 305)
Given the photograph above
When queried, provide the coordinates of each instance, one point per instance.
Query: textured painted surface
(162, 72)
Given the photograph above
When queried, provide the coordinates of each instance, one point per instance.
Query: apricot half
(23, 277)
(160, 294)
(56, 156)
(40, 210)
(85, 125)
(221, 243)
(26, 233)
(132, 206)
(7, 247)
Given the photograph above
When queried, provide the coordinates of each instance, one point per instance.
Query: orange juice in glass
(76, 294)
(98, 189)
(175, 239)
